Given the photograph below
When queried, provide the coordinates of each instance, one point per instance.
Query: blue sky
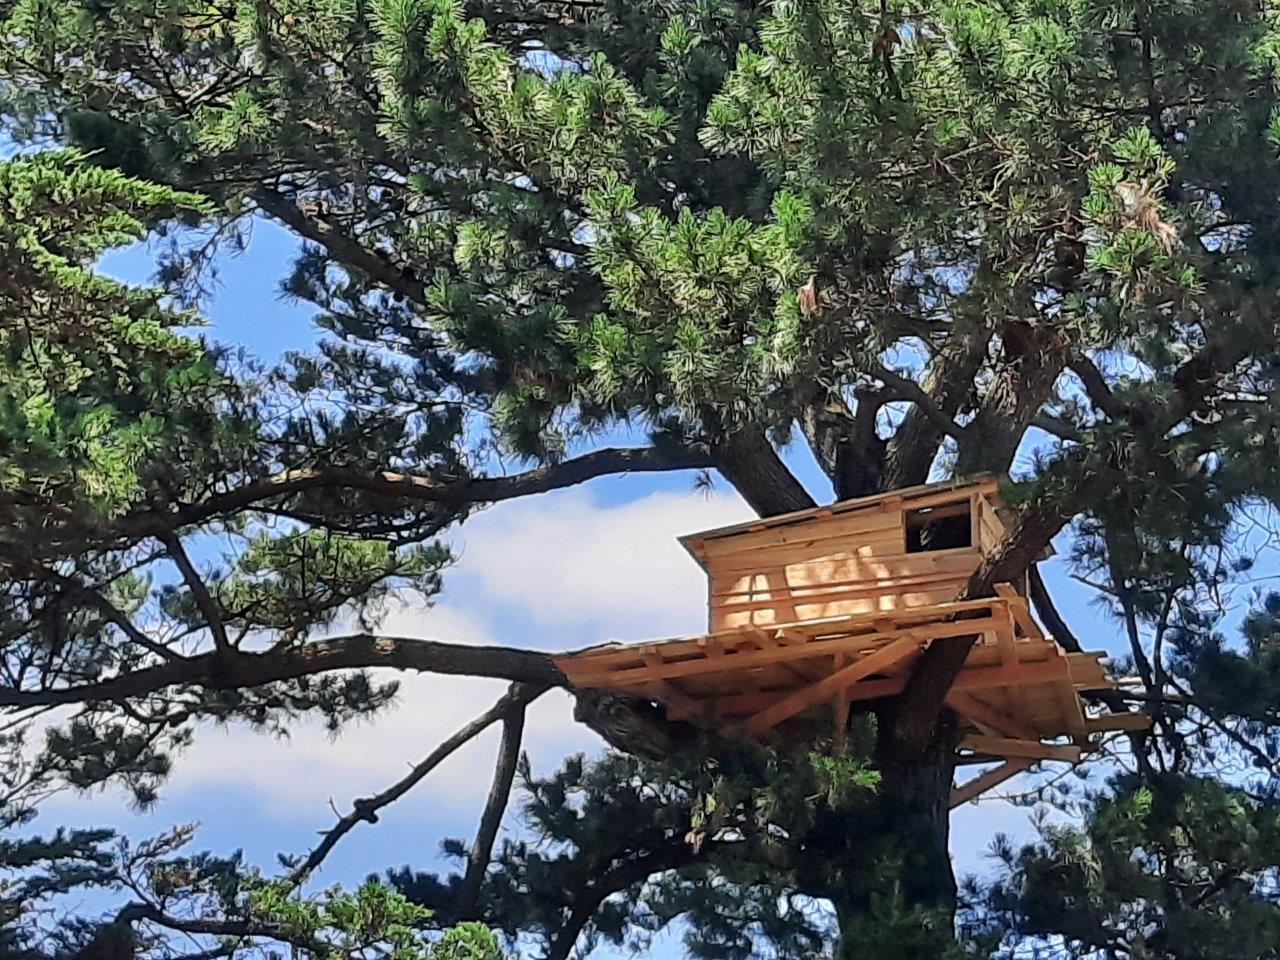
(557, 571)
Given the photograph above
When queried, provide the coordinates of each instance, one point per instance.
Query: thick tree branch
(510, 707)
(459, 492)
(239, 669)
(1096, 386)
(904, 388)
(1048, 610)
(503, 776)
(749, 462)
(948, 381)
(917, 710)
(138, 912)
(1037, 524)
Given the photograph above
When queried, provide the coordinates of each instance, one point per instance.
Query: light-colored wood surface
(816, 611)
(986, 781)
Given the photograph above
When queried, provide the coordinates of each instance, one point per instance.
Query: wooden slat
(970, 706)
(910, 497)
(1118, 721)
(1020, 610)
(799, 582)
(786, 611)
(848, 527)
(969, 679)
(605, 658)
(844, 563)
(764, 640)
(823, 690)
(1010, 747)
(602, 675)
(985, 781)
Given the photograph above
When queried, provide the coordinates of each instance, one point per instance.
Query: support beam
(1020, 610)
(974, 709)
(606, 674)
(1029, 749)
(815, 693)
(986, 781)
(1119, 721)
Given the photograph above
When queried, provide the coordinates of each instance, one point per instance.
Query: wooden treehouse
(822, 608)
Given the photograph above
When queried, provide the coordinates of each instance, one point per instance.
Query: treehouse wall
(864, 557)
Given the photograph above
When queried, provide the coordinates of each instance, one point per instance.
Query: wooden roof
(908, 498)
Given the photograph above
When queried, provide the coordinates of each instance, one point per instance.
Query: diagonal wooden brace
(985, 781)
(824, 689)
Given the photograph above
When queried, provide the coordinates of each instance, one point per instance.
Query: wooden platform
(812, 612)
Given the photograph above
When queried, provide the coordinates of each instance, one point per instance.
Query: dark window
(939, 528)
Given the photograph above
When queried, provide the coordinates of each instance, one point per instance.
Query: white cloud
(305, 771)
(530, 572)
(568, 560)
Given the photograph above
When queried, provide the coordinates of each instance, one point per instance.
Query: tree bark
(894, 890)
(749, 462)
(482, 850)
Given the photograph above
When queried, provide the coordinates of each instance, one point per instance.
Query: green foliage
(1179, 867)
(916, 234)
(646, 836)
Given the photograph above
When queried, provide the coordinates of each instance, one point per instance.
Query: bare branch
(343, 247)
(907, 389)
(510, 706)
(1096, 386)
(195, 583)
(503, 776)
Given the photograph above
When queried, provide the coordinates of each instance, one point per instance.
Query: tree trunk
(896, 894)
(749, 462)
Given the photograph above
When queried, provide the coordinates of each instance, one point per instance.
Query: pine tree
(915, 240)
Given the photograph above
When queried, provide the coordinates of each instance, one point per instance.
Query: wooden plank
(851, 527)
(1072, 711)
(764, 640)
(985, 781)
(605, 656)
(783, 611)
(631, 676)
(1118, 721)
(918, 496)
(819, 565)
(841, 550)
(1020, 610)
(991, 529)
(970, 706)
(805, 580)
(802, 700)
(969, 679)
(1087, 673)
(1011, 747)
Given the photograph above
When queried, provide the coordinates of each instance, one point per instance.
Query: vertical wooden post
(840, 707)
